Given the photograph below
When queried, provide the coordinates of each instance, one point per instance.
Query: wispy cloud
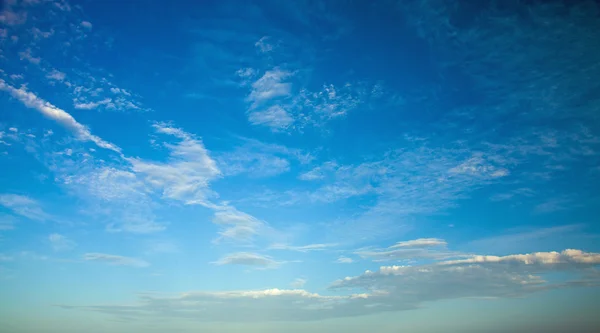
(236, 226)
(274, 117)
(24, 206)
(264, 45)
(302, 248)
(187, 174)
(81, 132)
(248, 259)
(60, 242)
(298, 283)
(417, 249)
(259, 159)
(115, 260)
(271, 85)
(344, 260)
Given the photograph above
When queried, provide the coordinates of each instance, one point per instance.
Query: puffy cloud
(86, 25)
(24, 206)
(81, 132)
(115, 260)
(248, 259)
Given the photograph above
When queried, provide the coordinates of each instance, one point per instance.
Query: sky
(299, 166)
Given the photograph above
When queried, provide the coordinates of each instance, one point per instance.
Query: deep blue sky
(300, 165)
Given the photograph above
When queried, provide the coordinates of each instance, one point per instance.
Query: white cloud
(248, 259)
(258, 159)
(246, 73)
(274, 117)
(186, 175)
(270, 86)
(303, 248)
(56, 75)
(236, 226)
(422, 248)
(60, 242)
(24, 206)
(344, 260)
(298, 283)
(263, 44)
(60, 116)
(26, 55)
(86, 25)
(421, 242)
(92, 105)
(115, 260)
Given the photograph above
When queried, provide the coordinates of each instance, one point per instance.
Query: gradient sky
(299, 166)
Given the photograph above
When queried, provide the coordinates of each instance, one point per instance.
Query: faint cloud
(553, 205)
(298, 283)
(248, 259)
(86, 25)
(274, 117)
(302, 248)
(422, 248)
(60, 242)
(115, 260)
(270, 86)
(26, 55)
(263, 45)
(344, 260)
(24, 206)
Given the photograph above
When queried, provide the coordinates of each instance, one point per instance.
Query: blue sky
(227, 165)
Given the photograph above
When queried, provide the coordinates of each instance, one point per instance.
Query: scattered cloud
(23, 206)
(60, 242)
(26, 55)
(236, 226)
(81, 132)
(56, 75)
(115, 260)
(391, 288)
(86, 25)
(92, 105)
(248, 259)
